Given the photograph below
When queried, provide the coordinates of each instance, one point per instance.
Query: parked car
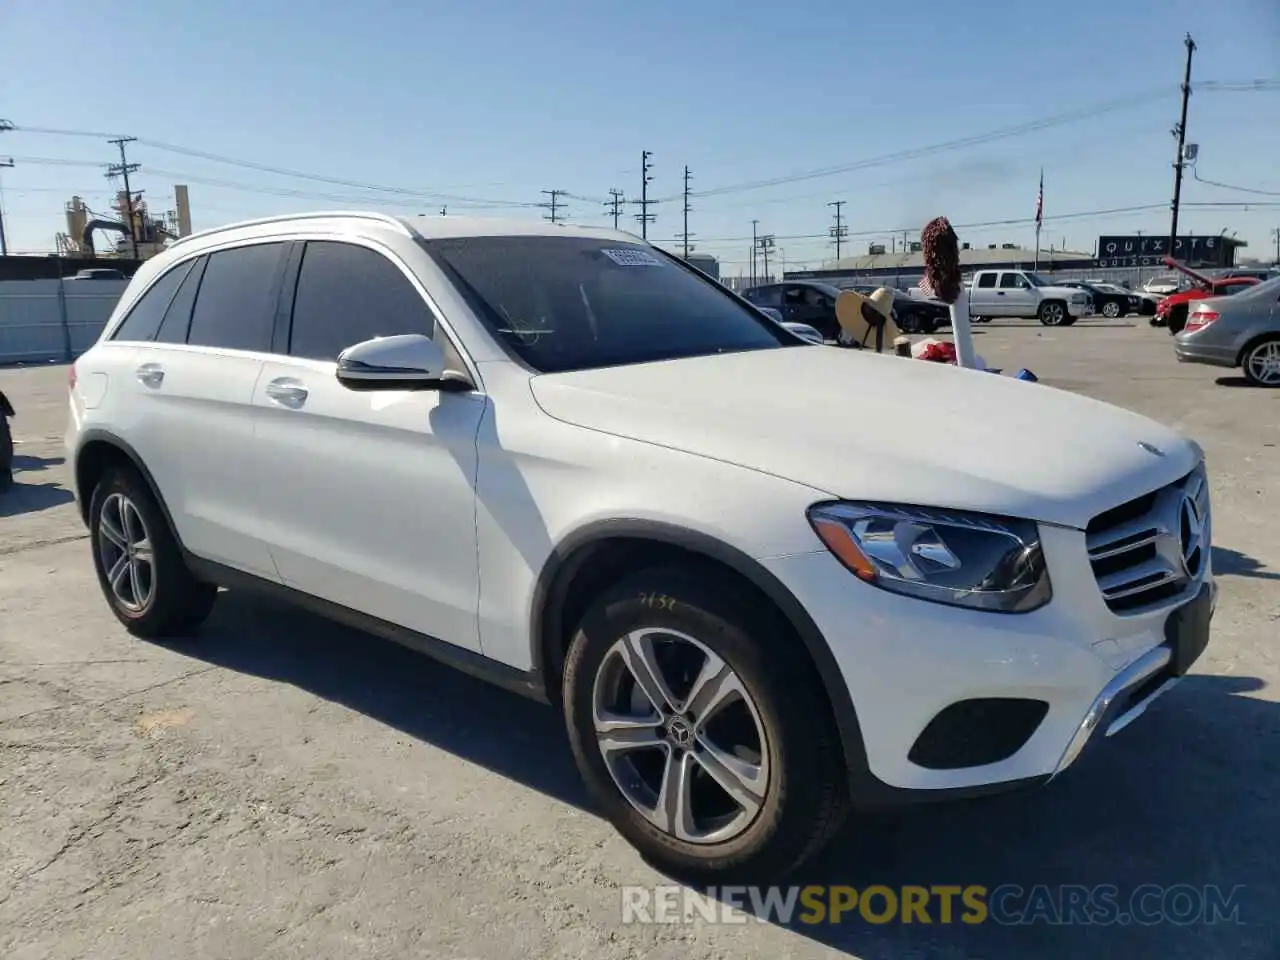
(563, 460)
(1172, 311)
(913, 314)
(1140, 302)
(98, 273)
(1164, 284)
(1021, 293)
(1258, 273)
(800, 301)
(1108, 303)
(1242, 330)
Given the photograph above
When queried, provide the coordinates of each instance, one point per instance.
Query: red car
(1172, 311)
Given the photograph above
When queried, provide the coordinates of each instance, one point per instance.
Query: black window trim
(196, 271)
(475, 303)
(277, 284)
(115, 332)
(289, 292)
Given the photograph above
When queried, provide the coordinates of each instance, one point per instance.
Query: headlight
(963, 559)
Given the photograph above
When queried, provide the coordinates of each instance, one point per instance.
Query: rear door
(368, 497)
(194, 382)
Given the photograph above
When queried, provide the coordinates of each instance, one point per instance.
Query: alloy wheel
(1111, 311)
(681, 736)
(124, 547)
(1052, 314)
(1263, 363)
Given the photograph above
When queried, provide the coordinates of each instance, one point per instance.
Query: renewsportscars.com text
(1006, 905)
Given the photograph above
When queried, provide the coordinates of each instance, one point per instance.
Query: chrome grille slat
(1136, 548)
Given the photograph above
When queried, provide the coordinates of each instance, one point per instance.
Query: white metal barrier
(53, 319)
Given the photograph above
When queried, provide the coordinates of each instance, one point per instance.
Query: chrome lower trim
(1131, 676)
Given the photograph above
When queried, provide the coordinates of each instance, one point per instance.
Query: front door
(370, 495)
(1014, 297)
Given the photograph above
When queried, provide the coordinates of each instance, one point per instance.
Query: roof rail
(286, 217)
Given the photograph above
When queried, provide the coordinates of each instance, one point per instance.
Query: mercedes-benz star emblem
(1151, 448)
(1190, 535)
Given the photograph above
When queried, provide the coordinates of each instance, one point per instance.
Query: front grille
(1147, 551)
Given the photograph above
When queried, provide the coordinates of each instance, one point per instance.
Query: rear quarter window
(144, 318)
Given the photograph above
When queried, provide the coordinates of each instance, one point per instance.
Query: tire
(1052, 313)
(1176, 319)
(6, 454)
(1261, 363)
(158, 596)
(1111, 310)
(700, 616)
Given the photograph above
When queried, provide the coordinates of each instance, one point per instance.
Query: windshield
(573, 303)
(1036, 280)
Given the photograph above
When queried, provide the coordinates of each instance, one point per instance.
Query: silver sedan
(1242, 330)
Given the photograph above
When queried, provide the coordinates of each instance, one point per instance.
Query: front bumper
(905, 661)
(1080, 309)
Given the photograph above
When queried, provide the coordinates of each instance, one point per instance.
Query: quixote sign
(1138, 251)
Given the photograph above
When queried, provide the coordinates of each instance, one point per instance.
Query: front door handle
(150, 375)
(287, 392)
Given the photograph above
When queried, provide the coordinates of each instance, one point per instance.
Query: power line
(1195, 174)
(123, 169)
(614, 203)
(838, 231)
(553, 206)
(644, 203)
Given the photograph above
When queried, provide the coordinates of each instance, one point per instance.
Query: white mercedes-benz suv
(562, 459)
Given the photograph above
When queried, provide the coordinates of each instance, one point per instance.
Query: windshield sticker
(632, 257)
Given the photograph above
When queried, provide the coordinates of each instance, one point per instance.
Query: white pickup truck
(1021, 293)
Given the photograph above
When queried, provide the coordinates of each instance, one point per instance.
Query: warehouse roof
(973, 257)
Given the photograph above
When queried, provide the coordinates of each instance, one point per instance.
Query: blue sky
(497, 100)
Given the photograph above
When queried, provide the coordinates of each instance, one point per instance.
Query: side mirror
(401, 362)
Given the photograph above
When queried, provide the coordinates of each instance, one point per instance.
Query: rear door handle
(287, 392)
(150, 375)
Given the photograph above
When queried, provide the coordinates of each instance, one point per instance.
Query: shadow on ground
(22, 497)
(1233, 563)
(1186, 795)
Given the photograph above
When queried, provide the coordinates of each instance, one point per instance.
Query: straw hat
(859, 317)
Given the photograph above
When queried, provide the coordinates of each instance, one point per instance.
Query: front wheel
(1261, 363)
(705, 744)
(1052, 313)
(138, 561)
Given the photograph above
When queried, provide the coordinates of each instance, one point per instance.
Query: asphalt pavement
(283, 787)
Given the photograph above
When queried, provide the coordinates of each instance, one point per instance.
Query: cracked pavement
(284, 787)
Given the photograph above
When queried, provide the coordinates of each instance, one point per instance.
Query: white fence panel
(53, 319)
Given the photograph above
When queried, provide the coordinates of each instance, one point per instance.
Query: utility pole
(755, 242)
(123, 169)
(614, 203)
(839, 231)
(644, 216)
(554, 206)
(766, 244)
(444, 211)
(686, 235)
(1275, 233)
(4, 247)
(1180, 131)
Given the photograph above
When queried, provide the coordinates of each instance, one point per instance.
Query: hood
(1057, 291)
(859, 425)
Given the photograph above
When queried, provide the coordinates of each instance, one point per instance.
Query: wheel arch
(1253, 342)
(96, 452)
(595, 556)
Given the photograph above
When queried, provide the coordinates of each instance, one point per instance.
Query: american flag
(1040, 201)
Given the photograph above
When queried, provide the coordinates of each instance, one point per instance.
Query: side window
(144, 319)
(793, 296)
(1011, 281)
(347, 294)
(767, 296)
(178, 317)
(986, 280)
(236, 305)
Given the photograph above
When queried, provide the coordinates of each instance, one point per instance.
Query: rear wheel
(1111, 310)
(1261, 363)
(6, 453)
(704, 743)
(139, 564)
